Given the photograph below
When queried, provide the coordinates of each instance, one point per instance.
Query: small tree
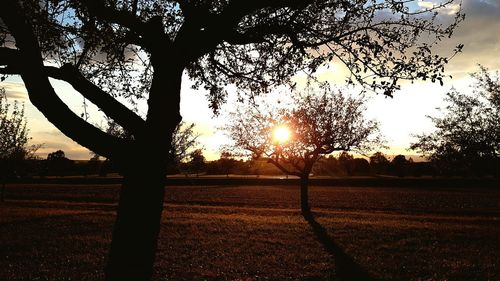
(379, 163)
(399, 165)
(361, 166)
(467, 135)
(13, 130)
(56, 156)
(197, 161)
(93, 166)
(58, 164)
(319, 123)
(184, 139)
(346, 163)
(227, 162)
(14, 139)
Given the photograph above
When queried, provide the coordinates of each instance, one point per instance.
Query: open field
(61, 232)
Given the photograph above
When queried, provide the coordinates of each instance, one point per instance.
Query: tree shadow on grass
(345, 266)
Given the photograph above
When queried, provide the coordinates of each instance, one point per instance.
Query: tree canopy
(13, 131)
(14, 136)
(467, 135)
(319, 121)
(294, 138)
(115, 44)
(142, 48)
(196, 161)
(183, 141)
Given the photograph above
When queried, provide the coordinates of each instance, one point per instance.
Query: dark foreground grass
(58, 232)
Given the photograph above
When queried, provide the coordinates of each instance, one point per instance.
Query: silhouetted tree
(346, 163)
(227, 162)
(184, 139)
(197, 161)
(361, 166)
(319, 123)
(320, 168)
(106, 167)
(327, 166)
(137, 49)
(13, 131)
(399, 165)
(331, 166)
(467, 136)
(242, 167)
(93, 165)
(14, 149)
(58, 164)
(226, 165)
(56, 155)
(379, 163)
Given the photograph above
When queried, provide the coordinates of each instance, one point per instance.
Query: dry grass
(57, 232)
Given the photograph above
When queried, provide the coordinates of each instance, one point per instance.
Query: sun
(281, 134)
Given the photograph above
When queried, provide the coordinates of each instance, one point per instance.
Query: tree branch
(8, 55)
(141, 29)
(109, 105)
(212, 29)
(282, 168)
(43, 96)
(257, 35)
(329, 150)
(123, 18)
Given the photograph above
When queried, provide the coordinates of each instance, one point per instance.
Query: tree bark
(137, 225)
(304, 195)
(140, 207)
(2, 194)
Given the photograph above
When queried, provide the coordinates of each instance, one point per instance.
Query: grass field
(62, 232)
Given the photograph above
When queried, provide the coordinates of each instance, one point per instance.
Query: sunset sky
(401, 116)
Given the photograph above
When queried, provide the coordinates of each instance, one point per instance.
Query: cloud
(450, 9)
(53, 140)
(15, 91)
(479, 34)
(73, 153)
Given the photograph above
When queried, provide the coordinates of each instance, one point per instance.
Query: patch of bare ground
(57, 232)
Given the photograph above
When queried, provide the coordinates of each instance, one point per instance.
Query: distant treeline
(59, 168)
(344, 165)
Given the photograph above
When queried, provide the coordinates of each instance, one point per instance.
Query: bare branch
(282, 168)
(109, 105)
(318, 124)
(143, 33)
(68, 73)
(43, 96)
(108, 14)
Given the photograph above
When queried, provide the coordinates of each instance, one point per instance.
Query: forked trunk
(140, 207)
(304, 195)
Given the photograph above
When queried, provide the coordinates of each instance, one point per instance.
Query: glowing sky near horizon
(400, 117)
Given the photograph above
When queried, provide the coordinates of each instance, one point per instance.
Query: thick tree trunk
(137, 225)
(140, 207)
(2, 193)
(304, 195)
